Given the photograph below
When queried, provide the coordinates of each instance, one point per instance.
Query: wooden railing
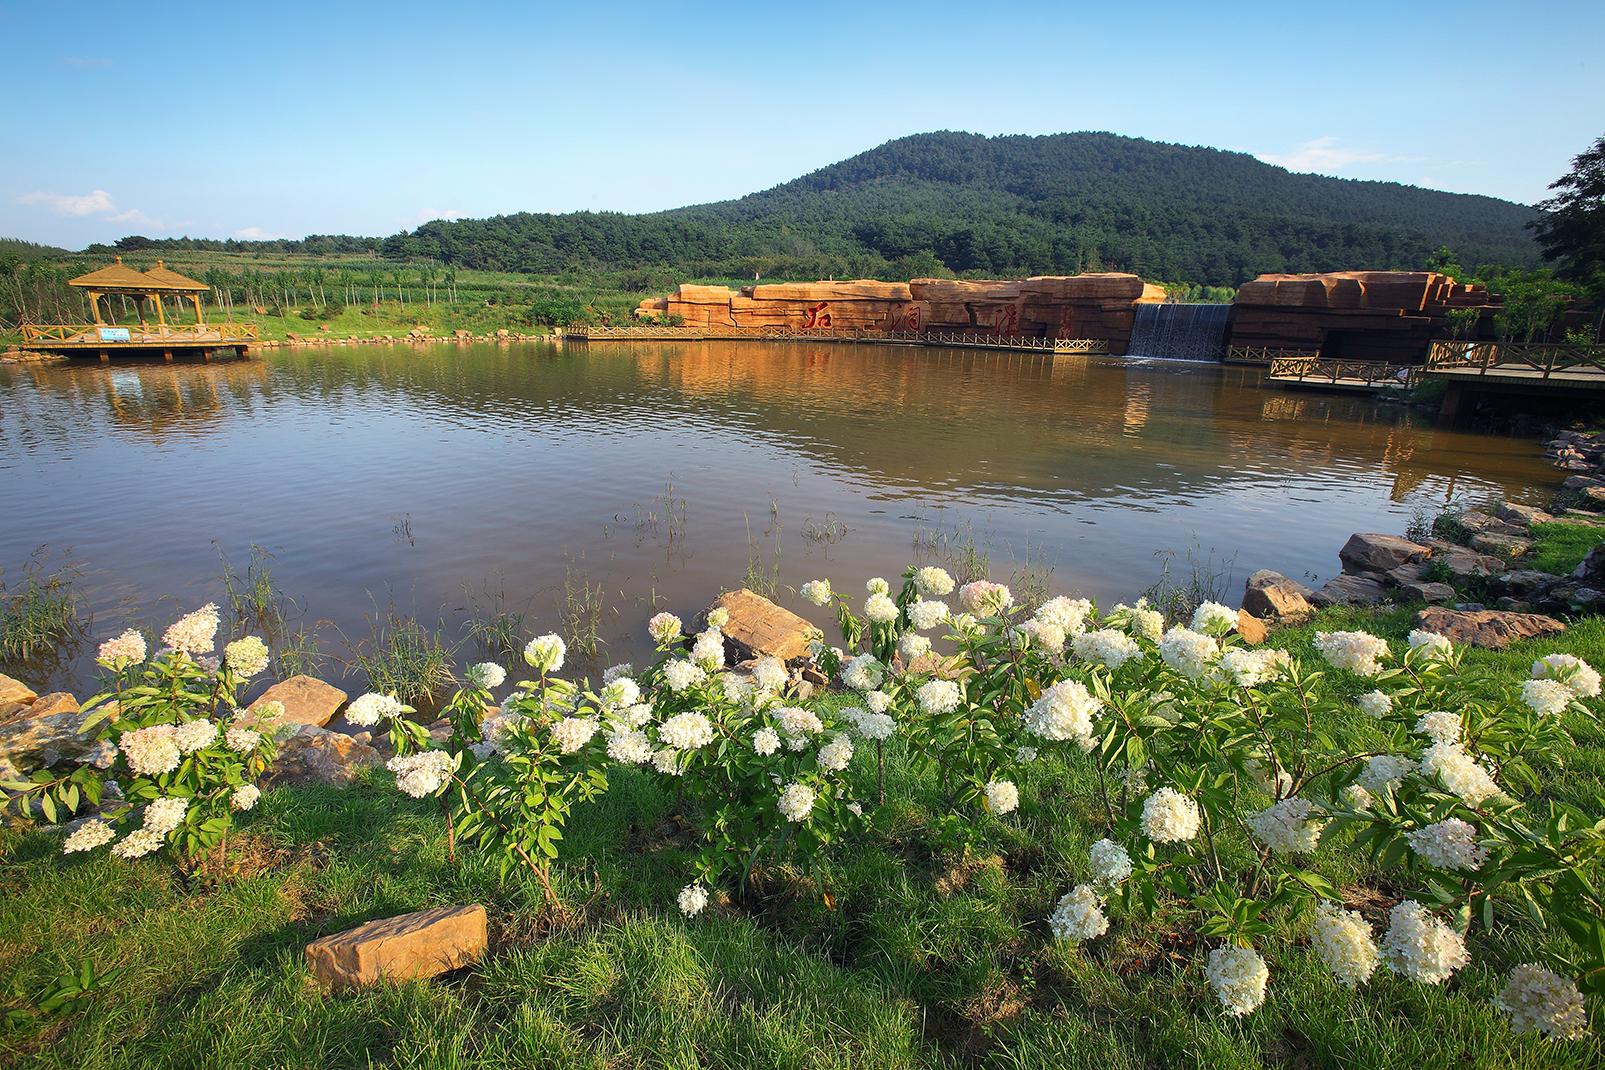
(1264, 354)
(1545, 358)
(839, 334)
(150, 334)
(1341, 372)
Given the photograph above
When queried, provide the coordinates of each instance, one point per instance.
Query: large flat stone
(759, 628)
(1525, 515)
(1491, 628)
(307, 700)
(36, 742)
(313, 755)
(1509, 547)
(1371, 552)
(408, 947)
(1272, 596)
(1349, 591)
(1433, 594)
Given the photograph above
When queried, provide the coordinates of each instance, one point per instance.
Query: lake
(440, 479)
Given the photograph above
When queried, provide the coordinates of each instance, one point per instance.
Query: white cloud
(1325, 155)
(254, 234)
(96, 202)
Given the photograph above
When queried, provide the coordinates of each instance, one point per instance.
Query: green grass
(1560, 546)
(926, 959)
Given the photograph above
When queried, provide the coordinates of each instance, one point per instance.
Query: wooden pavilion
(145, 289)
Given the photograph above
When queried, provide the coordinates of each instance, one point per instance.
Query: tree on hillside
(1571, 233)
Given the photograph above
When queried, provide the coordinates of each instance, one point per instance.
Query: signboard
(114, 334)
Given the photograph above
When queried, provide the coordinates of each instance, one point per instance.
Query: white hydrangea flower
(931, 580)
(938, 697)
(835, 755)
(769, 674)
(1064, 712)
(681, 674)
(1078, 916)
(1238, 975)
(1374, 703)
(192, 736)
(90, 835)
(1384, 772)
(863, 673)
(1459, 773)
(613, 672)
(369, 709)
(708, 650)
(1213, 618)
(718, 617)
(693, 899)
(572, 733)
(1287, 828)
(924, 615)
(877, 701)
(798, 722)
(1440, 726)
(246, 657)
(194, 633)
(1139, 621)
(664, 628)
(1250, 668)
(1431, 645)
(1025, 754)
(667, 762)
(1547, 698)
(876, 585)
(880, 609)
(1448, 844)
(1343, 940)
(1570, 670)
(137, 844)
(912, 646)
(1069, 615)
(739, 690)
(1043, 635)
(629, 747)
(1357, 798)
(244, 797)
(151, 751)
(1359, 652)
(1538, 1000)
(686, 731)
(165, 814)
(122, 651)
(796, 802)
(422, 772)
(985, 597)
(766, 741)
(545, 653)
(1168, 816)
(1420, 946)
(620, 693)
(1002, 797)
(1110, 862)
(1188, 652)
(816, 591)
(486, 676)
(1105, 646)
(872, 726)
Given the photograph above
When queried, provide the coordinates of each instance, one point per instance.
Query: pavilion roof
(172, 280)
(116, 276)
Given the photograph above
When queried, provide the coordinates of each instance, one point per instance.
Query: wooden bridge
(959, 339)
(1336, 374)
(1558, 370)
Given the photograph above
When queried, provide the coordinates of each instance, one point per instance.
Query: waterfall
(1180, 332)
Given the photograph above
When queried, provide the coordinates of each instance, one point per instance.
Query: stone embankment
(1470, 569)
(416, 335)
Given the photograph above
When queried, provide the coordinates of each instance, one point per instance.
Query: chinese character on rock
(816, 315)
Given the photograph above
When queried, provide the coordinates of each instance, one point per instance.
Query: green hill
(963, 203)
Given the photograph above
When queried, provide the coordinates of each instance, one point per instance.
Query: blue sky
(259, 120)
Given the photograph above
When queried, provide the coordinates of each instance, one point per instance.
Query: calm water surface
(429, 479)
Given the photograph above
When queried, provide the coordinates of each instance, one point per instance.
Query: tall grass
(255, 601)
(1200, 578)
(497, 630)
(581, 613)
(40, 613)
(405, 659)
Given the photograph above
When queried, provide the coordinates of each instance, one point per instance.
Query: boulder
(15, 691)
(307, 700)
(1591, 570)
(1251, 629)
(1349, 591)
(1581, 482)
(1526, 582)
(54, 702)
(1367, 552)
(1508, 547)
(408, 947)
(758, 628)
(1433, 594)
(1414, 572)
(1525, 515)
(1272, 596)
(1593, 497)
(1490, 628)
(37, 742)
(1475, 521)
(313, 755)
(1463, 565)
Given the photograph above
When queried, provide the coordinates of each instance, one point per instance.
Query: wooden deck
(1563, 366)
(163, 341)
(958, 339)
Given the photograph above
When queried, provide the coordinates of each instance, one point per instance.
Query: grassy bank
(924, 959)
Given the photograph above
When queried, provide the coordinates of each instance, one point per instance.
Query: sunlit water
(433, 478)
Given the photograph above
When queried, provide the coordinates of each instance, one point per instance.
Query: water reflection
(515, 465)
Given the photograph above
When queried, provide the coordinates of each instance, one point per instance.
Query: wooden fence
(150, 334)
(1264, 354)
(1336, 372)
(840, 334)
(1544, 358)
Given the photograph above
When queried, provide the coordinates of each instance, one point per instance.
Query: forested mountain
(1060, 203)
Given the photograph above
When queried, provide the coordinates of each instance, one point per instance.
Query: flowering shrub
(173, 756)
